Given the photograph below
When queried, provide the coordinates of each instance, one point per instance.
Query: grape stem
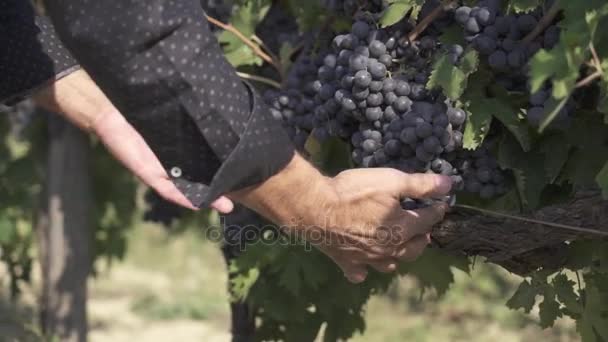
(424, 23)
(260, 79)
(587, 80)
(250, 43)
(529, 220)
(544, 22)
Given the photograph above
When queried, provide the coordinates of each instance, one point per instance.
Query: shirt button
(176, 172)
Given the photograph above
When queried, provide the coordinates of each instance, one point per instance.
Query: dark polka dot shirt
(162, 67)
(31, 55)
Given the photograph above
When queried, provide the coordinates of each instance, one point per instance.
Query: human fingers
(412, 249)
(409, 223)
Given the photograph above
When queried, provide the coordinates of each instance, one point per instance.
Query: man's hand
(79, 100)
(368, 226)
(356, 217)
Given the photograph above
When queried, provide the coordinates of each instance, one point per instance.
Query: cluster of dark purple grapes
(370, 89)
(295, 104)
(480, 171)
(499, 36)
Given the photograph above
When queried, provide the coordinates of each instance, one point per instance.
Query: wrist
(297, 197)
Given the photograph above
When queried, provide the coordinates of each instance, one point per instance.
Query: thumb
(421, 185)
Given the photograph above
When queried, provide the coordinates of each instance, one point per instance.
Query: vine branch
(256, 48)
(424, 23)
(260, 79)
(544, 22)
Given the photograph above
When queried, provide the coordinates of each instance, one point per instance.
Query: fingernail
(444, 184)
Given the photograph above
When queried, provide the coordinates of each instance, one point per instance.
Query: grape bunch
(480, 172)
(499, 37)
(295, 104)
(364, 93)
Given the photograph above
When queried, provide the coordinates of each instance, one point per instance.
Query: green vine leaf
(398, 9)
(549, 309)
(452, 79)
(524, 297)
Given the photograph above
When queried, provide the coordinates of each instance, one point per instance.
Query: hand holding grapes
(356, 217)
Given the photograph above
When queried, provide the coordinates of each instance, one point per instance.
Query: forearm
(289, 197)
(77, 98)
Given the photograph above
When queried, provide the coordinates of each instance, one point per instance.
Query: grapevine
(508, 98)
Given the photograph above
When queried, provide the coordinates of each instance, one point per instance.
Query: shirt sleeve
(162, 67)
(31, 56)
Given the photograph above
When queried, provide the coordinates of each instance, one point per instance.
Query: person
(167, 104)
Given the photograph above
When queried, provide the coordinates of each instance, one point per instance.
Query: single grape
(373, 113)
(360, 29)
(348, 104)
(377, 48)
(357, 63)
(390, 98)
(431, 145)
(485, 17)
(539, 98)
(408, 135)
(362, 79)
(484, 44)
(423, 155)
(378, 70)
(471, 26)
(369, 146)
(392, 148)
(516, 58)
(385, 59)
(375, 86)
(424, 130)
(535, 115)
(402, 104)
(457, 137)
(457, 116)
(526, 23)
(498, 60)
(388, 85)
(330, 61)
(402, 88)
(462, 14)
